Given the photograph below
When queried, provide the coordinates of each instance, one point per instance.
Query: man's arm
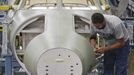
(118, 44)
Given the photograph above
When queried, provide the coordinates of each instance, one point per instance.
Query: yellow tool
(98, 40)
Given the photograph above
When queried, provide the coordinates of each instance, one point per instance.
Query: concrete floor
(131, 63)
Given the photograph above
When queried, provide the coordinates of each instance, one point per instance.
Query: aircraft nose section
(59, 61)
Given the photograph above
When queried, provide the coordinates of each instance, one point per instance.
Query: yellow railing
(5, 7)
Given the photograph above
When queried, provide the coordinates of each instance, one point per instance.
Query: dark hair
(97, 18)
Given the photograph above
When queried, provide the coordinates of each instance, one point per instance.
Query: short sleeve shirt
(114, 29)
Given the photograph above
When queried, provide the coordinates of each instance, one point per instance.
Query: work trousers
(116, 60)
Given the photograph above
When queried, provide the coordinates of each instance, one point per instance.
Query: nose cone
(59, 61)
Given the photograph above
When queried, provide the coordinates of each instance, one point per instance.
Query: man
(116, 48)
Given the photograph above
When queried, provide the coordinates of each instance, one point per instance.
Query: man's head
(98, 20)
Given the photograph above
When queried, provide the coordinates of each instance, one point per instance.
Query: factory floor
(131, 63)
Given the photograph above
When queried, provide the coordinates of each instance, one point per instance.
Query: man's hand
(101, 49)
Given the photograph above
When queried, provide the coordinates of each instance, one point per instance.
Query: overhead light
(39, 8)
(75, 8)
